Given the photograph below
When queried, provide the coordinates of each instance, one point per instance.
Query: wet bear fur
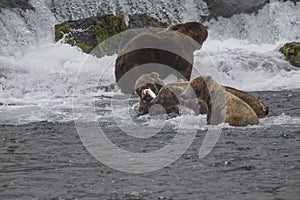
(138, 60)
(222, 106)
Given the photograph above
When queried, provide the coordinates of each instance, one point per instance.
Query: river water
(45, 86)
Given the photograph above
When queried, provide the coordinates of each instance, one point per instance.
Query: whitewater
(38, 76)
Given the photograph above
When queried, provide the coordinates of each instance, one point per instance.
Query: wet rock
(144, 20)
(227, 8)
(88, 33)
(22, 4)
(292, 53)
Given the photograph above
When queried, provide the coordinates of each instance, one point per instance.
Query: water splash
(277, 21)
(37, 75)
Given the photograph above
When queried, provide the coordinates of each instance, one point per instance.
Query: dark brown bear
(222, 106)
(169, 97)
(166, 95)
(147, 81)
(166, 52)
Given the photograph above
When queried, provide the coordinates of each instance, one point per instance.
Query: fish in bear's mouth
(148, 95)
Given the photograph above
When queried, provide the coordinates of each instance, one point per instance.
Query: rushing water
(43, 156)
(37, 75)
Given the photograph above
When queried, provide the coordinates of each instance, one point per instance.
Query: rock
(22, 4)
(89, 32)
(227, 8)
(144, 20)
(292, 53)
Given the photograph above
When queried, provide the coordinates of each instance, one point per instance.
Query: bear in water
(169, 97)
(152, 90)
(222, 106)
(257, 105)
(144, 85)
(164, 52)
(170, 101)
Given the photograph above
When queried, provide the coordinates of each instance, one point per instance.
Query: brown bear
(169, 97)
(152, 90)
(257, 105)
(222, 106)
(147, 81)
(166, 52)
(170, 100)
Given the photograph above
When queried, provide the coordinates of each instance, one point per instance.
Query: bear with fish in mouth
(146, 53)
(170, 96)
(147, 82)
(152, 90)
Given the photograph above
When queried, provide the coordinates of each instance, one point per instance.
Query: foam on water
(190, 122)
(243, 51)
(277, 21)
(249, 67)
(37, 76)
(40, 83)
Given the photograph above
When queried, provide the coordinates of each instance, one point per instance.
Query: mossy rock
(91, 32)
(106, 28)
(292, 53)
(144, 20)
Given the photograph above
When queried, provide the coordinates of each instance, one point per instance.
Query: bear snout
(148, 95)
(147, 98)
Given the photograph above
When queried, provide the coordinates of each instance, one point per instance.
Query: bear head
(150, 81)
(194, 30)
(198, 86)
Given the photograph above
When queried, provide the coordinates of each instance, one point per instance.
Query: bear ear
(154, 74)
(173, 27)
(208, 80)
